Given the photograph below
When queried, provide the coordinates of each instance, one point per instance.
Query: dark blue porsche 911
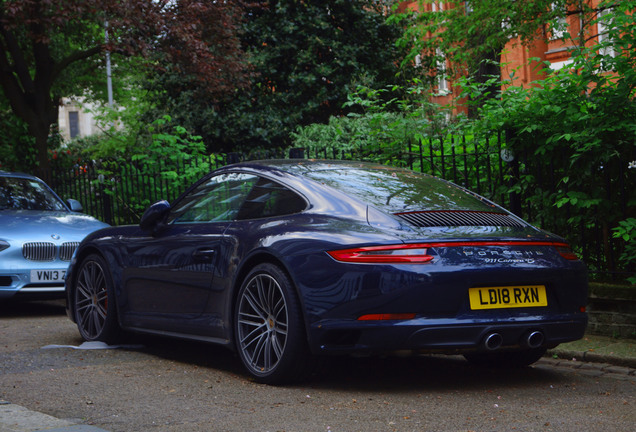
(284, 260)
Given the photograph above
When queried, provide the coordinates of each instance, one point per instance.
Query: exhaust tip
(493, 341)
(534, 339)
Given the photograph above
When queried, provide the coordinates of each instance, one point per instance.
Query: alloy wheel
(91, 300)
(262, 323)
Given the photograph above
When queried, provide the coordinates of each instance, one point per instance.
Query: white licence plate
(38, 276)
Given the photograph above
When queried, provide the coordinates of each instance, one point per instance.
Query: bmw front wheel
(94, 302)
(268, 325)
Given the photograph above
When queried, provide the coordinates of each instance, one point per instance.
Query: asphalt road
(167, 385)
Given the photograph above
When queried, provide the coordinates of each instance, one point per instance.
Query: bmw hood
(66, 225)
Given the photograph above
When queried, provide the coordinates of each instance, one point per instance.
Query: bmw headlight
(4, 245)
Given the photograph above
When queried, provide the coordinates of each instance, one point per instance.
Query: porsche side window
(216, 200)
(268, 199)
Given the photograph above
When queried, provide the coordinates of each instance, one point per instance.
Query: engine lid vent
(448, 218)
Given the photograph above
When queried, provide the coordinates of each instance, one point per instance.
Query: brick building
(549, 46)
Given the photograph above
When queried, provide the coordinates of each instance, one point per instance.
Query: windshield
(396, 190)
(19, 193)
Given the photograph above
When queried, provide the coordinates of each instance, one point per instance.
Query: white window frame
(558, 34)
(603, 36)
(437, 6)
(443, 87)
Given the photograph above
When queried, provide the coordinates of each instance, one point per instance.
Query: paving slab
(15, 418)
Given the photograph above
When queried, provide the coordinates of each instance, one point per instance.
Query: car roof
(300, 165)
(17, 174)
(378, 185)
(304, 167)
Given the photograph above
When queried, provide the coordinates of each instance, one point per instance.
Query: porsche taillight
(394, 254)
(418, 253)
(566, 252)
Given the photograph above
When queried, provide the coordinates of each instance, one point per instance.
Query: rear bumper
(444, 336)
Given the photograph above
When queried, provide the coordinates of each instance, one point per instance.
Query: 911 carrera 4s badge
(507, 297)
(505, 256)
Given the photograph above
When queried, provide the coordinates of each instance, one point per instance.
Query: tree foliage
(51, 48)
(573, 133)
(573, 136)
(17, 147)
(305, 57)
(135, 158)
(578, 128)
(381, 122)
(467, 33)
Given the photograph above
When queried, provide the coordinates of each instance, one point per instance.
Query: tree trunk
(39, 116)
(41, 145)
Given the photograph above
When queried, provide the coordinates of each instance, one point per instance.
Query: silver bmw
(38, 235)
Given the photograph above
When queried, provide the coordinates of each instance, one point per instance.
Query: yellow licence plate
(507, 297)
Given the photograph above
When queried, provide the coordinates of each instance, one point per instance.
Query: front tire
(268, 326)
(94, 301)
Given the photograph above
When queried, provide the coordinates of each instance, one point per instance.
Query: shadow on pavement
(23, 308)
(372, 374)
(431, 372)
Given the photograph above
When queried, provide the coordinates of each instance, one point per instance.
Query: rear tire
(506, 359)
(268, 327)
(94, 301)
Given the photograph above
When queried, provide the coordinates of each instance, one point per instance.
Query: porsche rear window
(398, 191)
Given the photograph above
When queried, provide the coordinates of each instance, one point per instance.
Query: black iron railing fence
(118, 193)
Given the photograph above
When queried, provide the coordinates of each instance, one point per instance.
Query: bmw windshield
(17, 193)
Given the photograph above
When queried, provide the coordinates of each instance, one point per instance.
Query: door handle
(203, 254)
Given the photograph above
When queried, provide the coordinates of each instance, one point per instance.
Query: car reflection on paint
(287, 260)
(38, 235)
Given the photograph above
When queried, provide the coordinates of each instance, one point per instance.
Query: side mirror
(74, 205)
(153, 215)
